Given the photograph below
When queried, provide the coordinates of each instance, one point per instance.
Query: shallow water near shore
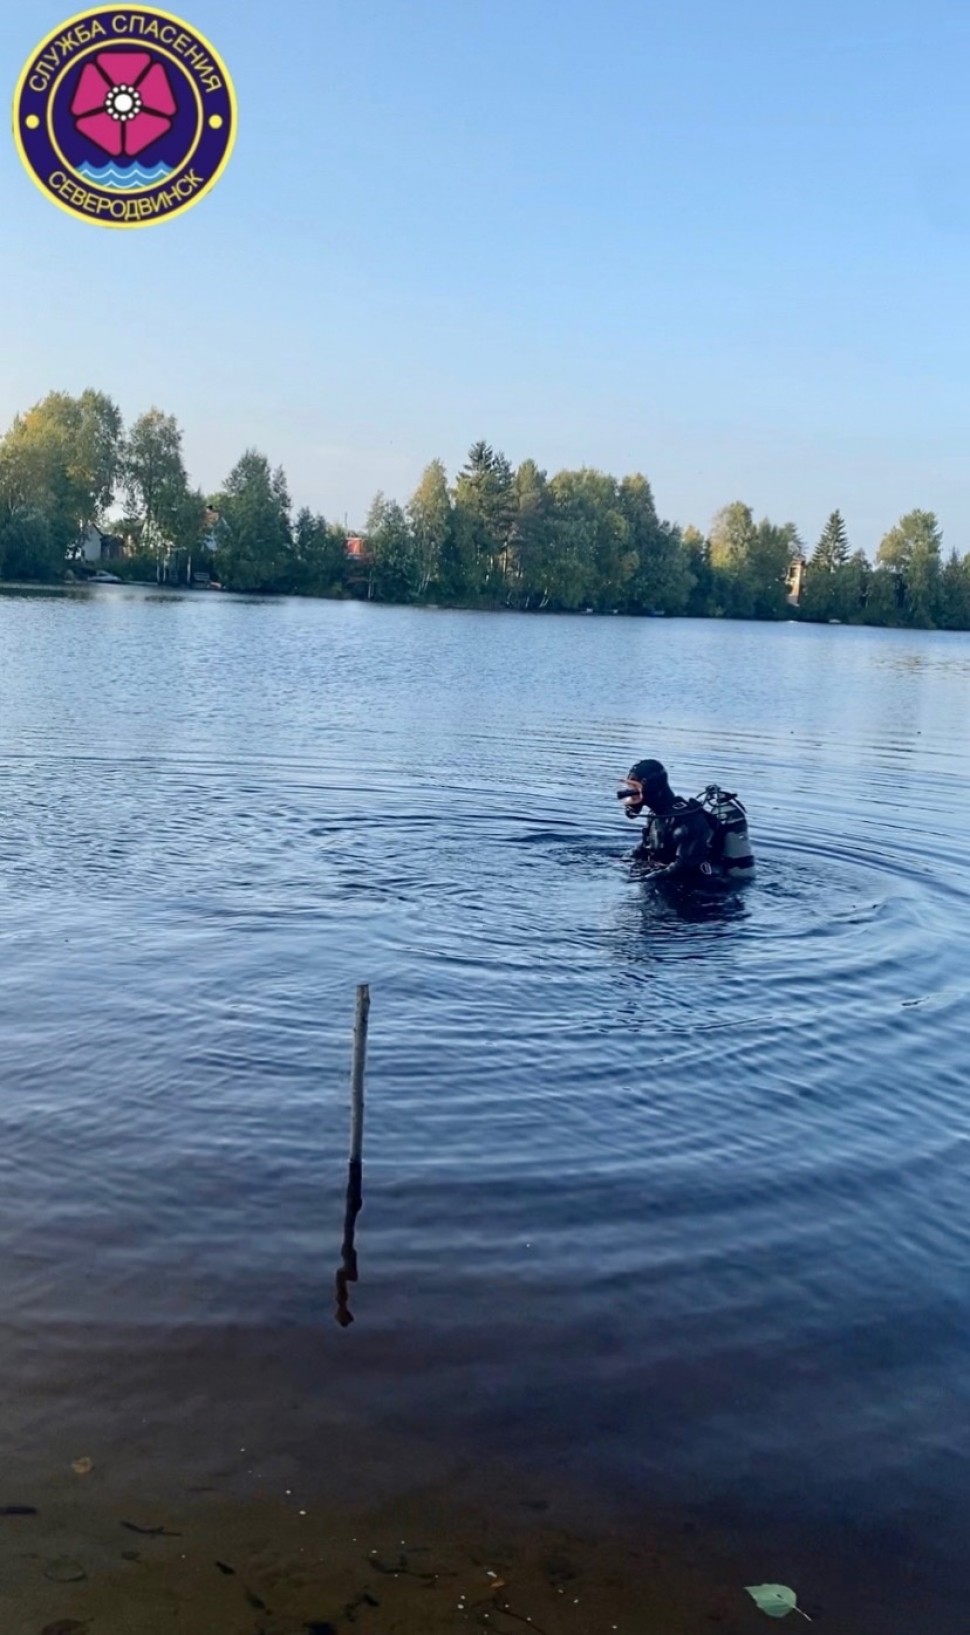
(665, 1200)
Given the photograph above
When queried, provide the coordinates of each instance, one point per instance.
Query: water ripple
(679, 1182)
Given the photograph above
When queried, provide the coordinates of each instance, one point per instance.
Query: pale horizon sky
(725, 245)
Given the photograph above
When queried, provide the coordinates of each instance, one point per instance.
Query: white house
(92, 541)
(95, 546)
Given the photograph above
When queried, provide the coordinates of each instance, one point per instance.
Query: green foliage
(28, 548)
(497, 536)
(955, 593)
(395, 570)
(188, 520)
(60, 462)
(317, 556)
(775, 548)
(256, 541)
(731, 541)
(484, 505)
(851, 585)
(885, 601)
(750, 563)
(156, 484)
(911, 552)
(429, 513)
(832, 550)
(908, 586)
(531, 537)
(662, 577)
(591, 562)
(140, 568)
(697, 559)
(837, 585)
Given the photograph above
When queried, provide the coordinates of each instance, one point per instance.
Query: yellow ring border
(151, 221)
(128, 192)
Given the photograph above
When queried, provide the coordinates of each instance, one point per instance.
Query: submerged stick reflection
(347, 1271)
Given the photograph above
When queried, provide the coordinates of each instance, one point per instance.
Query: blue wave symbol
(133, 176)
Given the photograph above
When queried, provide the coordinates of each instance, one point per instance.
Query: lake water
(668, 1200)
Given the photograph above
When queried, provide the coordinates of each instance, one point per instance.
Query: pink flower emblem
(123, 102)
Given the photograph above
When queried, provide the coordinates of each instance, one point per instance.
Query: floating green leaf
(777, 1600)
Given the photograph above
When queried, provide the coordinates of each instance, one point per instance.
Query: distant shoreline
(496, 537)
(28, 587)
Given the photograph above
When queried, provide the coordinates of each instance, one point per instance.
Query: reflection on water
(347, 1272)
(689, 901)
(666, 1193)
(660, 927)
(40, 592)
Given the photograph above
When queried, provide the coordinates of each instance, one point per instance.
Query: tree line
(497, 536)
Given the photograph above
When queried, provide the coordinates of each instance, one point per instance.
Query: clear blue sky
(727, 244)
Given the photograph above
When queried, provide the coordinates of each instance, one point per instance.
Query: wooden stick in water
(357, 1075)
(347, 1272)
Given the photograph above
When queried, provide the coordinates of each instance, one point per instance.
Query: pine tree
(832, 550)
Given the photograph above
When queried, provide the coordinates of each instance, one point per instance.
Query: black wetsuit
(677, 843)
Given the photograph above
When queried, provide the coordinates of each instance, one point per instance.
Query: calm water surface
(670, 1197)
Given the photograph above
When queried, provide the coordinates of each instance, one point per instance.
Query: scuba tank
(730, 846)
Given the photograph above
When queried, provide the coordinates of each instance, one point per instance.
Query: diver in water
(703, 841)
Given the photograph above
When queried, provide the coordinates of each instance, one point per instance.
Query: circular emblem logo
(125, 117)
